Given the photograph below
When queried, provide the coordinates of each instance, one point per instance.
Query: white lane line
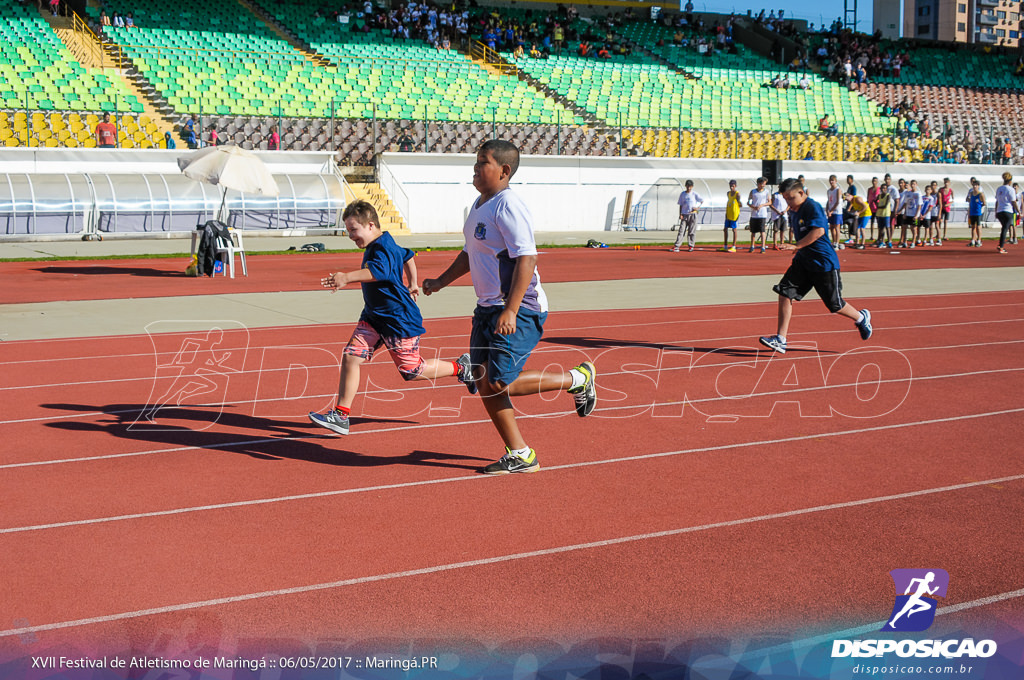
(299, 590)
(549, 469)
(682, 345)
(460, 423)
(548, 329)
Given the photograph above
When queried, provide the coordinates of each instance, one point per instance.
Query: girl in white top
(1006, 207)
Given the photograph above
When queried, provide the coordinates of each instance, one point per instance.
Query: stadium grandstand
(577, 81)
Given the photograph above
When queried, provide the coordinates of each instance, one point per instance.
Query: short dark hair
(791, 184)
(362, 211)
(504, 152)
(689, 182)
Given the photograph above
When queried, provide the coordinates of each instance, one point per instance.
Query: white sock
(782, 339)
(860, 319)
(523, 453)
(578, 378)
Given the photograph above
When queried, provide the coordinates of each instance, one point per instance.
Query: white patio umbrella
(229, 167)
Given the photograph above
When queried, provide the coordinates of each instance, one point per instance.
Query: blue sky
(811, 10)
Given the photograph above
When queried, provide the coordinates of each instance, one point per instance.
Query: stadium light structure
(850, 14)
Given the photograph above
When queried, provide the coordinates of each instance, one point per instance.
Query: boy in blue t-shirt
(390, 316)
(815, 265)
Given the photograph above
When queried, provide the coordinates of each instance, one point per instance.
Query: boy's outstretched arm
(457, 269)
(341, 279)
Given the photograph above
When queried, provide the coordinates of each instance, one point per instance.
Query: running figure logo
(915, 607)
(193, 370)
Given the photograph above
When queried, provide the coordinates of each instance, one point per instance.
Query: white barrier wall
(576, 193)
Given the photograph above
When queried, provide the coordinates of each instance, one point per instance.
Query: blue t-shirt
(820, 256)
(388, 305)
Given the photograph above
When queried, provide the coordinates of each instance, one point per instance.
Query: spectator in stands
(106, 133)
(924, 127)
(274, 139)
(104, 19)
(54, 7)
(911, 143)
(118, 20)
(214, 139)
(986, 152)
(169, 141)
(188, 134)
(1007, 151)
(804, 83)
(862, 74)
(129, 22)
(405, 142)
(828, 127)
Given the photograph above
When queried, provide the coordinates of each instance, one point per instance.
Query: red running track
(104, 279)
(717, 490)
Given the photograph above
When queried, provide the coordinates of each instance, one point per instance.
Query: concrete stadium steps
(390, 219)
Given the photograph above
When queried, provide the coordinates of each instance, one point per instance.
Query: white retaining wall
(577, 193)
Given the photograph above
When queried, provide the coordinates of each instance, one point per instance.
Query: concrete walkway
(93, 318)
(256, 242)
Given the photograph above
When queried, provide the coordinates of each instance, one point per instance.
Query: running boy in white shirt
(501, 255)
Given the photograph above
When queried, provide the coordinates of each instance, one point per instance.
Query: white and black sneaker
(773, 342)
(465, 374)
(334, 420)
(585, 395)
(865, 325)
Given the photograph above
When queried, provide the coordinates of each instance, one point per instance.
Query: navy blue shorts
(504, 355)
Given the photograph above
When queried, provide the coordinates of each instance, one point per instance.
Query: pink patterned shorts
(405, 352)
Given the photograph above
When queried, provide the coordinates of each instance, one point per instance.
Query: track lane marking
(513, 557)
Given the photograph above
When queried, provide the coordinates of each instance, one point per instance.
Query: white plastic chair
(227, 248)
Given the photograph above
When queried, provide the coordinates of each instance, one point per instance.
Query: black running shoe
(585, 395)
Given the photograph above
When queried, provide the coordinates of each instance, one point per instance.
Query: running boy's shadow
(742, 352)
(261, 438)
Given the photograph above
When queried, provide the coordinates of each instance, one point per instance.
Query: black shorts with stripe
(798, 281)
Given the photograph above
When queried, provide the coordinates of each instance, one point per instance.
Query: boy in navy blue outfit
(390, 316)
(815, 265)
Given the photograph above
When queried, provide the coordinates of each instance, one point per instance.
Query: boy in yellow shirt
(732, 216)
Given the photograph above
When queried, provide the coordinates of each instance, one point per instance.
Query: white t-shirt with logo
(496, 233)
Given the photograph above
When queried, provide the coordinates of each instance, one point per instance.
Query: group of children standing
(921, 215)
